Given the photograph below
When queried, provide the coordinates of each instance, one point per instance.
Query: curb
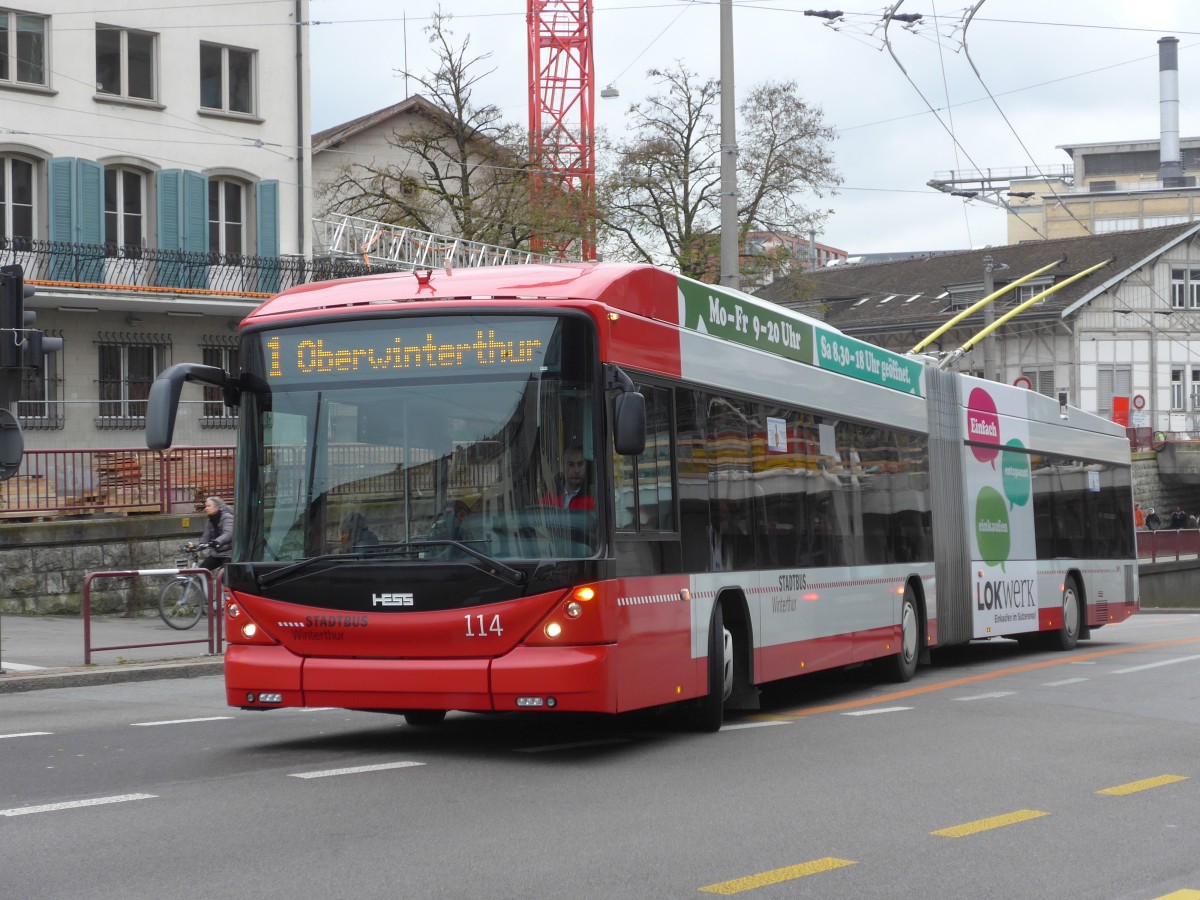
(86, 676)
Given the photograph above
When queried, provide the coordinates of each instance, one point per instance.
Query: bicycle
(184, 599)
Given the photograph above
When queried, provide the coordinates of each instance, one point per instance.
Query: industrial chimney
(1170, 169)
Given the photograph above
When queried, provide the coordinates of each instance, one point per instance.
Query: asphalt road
(994, 773)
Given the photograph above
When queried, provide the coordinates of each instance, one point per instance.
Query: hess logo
(391, 599)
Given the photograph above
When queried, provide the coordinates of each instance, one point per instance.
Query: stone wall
(43, 564)
(1151, 491)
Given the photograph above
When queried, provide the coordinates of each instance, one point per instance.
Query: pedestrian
(1139, 515)
(1179, 518)
(1153, 522)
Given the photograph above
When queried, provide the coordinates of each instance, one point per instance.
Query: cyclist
(218, 533)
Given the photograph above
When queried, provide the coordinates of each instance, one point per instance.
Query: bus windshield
(421, 437)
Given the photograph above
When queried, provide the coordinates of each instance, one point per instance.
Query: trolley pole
(989, 317)
(730, 276)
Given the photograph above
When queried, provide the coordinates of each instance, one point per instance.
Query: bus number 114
(476, 628)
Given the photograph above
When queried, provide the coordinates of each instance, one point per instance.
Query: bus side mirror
(629, 424)
(164, 399)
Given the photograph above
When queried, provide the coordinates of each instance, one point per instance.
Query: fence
(79, 482)
(1165, 545)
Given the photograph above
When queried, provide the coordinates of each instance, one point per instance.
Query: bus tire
(903, 665)
(1067, 636)
(709, 712)
(425, 716)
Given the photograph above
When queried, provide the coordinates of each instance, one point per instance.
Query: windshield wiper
(505, 573)
(280, 574)
(496, 568)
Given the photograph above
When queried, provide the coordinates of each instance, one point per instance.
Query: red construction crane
(562, 126)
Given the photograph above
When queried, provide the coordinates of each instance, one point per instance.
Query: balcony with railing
(116, 268)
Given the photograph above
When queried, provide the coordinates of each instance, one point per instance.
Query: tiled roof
(331, 137)
(910, 293)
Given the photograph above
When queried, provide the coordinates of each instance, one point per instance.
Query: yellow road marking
(1185, 894)
(972, 679)
(776, 876)
(1144, 785)
(1021, 815)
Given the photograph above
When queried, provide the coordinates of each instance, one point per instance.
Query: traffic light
(12, 316)
(22, 345)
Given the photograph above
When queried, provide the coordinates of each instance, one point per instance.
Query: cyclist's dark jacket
(219, 531)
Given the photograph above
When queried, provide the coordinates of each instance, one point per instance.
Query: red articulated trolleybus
(761, 496)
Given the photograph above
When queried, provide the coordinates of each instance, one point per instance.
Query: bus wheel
(425, 716)
(709, 712)
(903, 665)
(1067, 635)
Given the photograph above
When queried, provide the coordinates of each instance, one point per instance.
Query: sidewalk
(40, 652)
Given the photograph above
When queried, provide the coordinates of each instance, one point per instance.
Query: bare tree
(660, 199)
(458, 168)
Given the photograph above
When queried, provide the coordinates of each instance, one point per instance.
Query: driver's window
(645, 499)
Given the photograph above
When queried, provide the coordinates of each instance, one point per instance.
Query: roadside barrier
(214, 638)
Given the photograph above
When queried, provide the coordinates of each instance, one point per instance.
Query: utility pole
(989, 316)
(729, 204)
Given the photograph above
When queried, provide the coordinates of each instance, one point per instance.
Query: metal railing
(214, 638)
(1168, 544)
(53, 483)
(381, 246)
(176, 272)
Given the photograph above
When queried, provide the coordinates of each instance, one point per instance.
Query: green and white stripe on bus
(741, 319)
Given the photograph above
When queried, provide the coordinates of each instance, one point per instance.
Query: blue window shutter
(195, 212)
(89, 220)
(73, 217)
(267, 228)
(89, 202)
(195, 229)
(170, 227)
(170, 209)
(267, 223)
(183, 228)
(61, 172)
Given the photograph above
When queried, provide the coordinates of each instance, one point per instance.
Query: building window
(124, 211)
(1196, 388)
(125, 63)
(223, 354)
(1177, 389)
(226, 79)
(16, 198)
(127, 370)
(22, 48)
(1041, 381)
(1185, 288)
(226, 219)
(1111, 381)
(1122, 223)
(41, 403)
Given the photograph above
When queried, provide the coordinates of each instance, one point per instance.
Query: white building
(155, 184)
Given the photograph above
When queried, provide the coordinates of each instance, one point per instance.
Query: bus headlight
(574, 610)
(553, 629)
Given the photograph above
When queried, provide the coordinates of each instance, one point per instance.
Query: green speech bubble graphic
(1014, 467)
(991, 527)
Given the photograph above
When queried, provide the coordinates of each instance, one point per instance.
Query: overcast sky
(1063, 72)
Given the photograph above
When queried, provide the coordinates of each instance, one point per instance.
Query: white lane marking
(741, 725)
(74, 804)
(548, 748)
(19, 667)
(354, 770)
(994, 695)
(874, 712)
(25, 734)
(179, 721)
(1064, 681)
(1165, 662)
